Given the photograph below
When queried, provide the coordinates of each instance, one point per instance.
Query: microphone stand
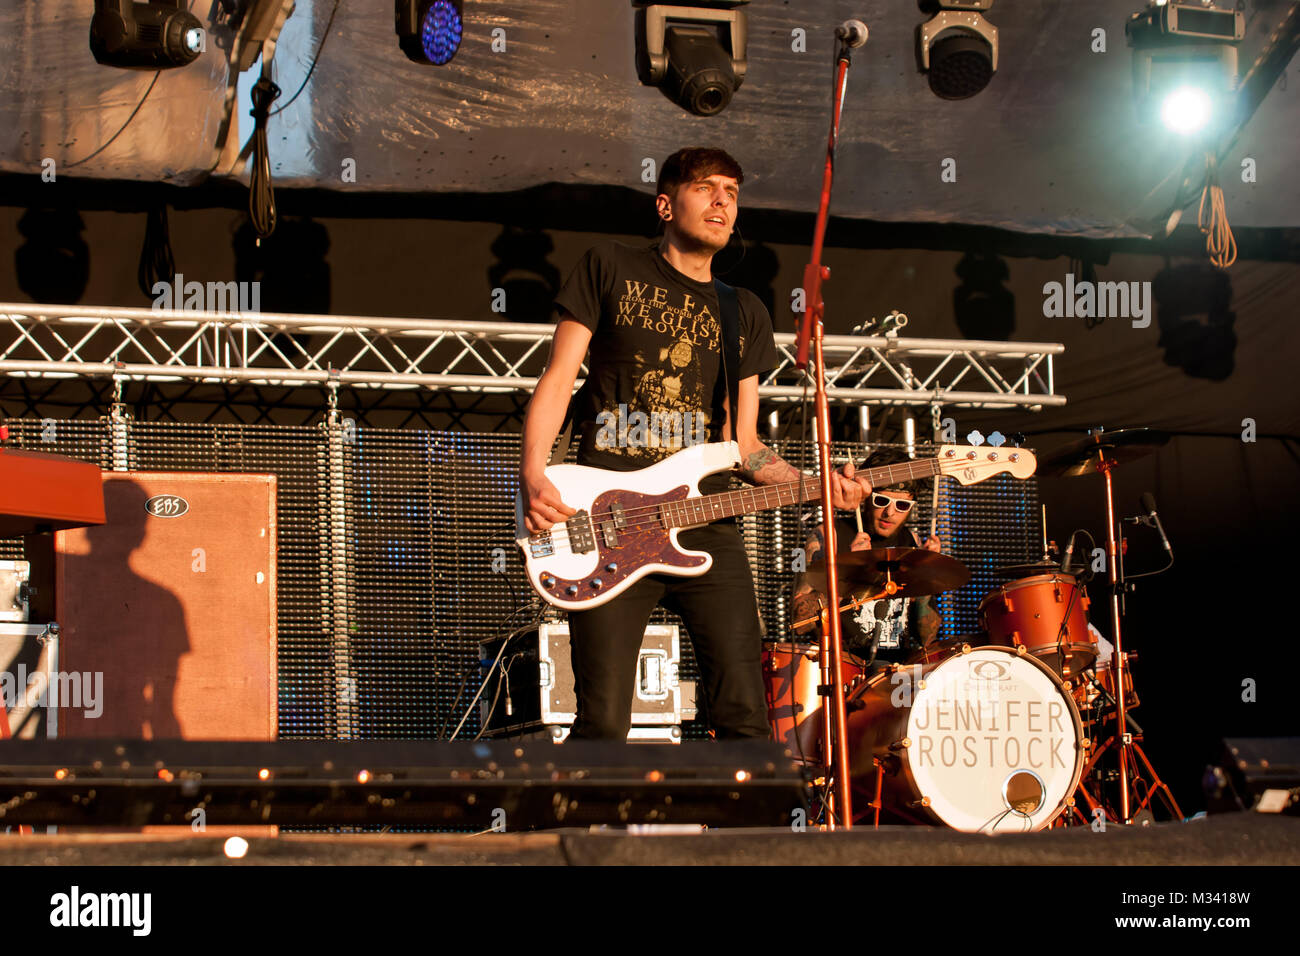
(835, 754)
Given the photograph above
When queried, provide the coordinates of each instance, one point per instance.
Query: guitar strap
(729, 307)
(566, 433)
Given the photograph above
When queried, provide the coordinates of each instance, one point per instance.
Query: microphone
(1149, 505)
(1069, 550)
(852, 32)
(891, 323)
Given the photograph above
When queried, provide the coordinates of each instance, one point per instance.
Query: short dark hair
(694, 163)
(892, 456)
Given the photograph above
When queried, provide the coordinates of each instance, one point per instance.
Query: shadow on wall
(1196, 323)
(53, 265)
(524, 283)
(983, 307)
(290, 264)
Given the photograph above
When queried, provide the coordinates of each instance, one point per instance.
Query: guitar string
(654, 511)
(688, 507)
(561, 536)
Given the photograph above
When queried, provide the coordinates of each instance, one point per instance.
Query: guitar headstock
(970, 463)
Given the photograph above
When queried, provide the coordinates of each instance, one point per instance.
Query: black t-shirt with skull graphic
(890, 624)
(655, 382)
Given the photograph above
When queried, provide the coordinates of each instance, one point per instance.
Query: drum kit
(1004, 730)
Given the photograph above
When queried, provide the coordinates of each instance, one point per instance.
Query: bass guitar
(626, 523)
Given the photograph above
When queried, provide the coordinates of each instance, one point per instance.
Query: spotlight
(1185, 62)
(696, 54)
(958, 48)
(429, 31)
(144, 36)
(1186, 110)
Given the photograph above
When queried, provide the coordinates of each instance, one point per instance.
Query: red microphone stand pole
(836, 752)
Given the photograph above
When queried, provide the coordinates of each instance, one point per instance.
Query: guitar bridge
(539, 545)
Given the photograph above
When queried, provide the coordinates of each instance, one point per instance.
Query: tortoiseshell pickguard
(644, 541)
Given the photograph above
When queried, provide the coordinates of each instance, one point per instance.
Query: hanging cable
(261, 194)
(1220, 245)
(157, 264)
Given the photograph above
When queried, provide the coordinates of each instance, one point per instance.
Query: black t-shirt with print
(655, 382)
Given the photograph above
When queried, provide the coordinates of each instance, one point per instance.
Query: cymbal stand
(1121, 710)
(1107, 704)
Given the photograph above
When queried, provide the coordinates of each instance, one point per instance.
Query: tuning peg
(975, 438)
(997, 439)
(1018, 439)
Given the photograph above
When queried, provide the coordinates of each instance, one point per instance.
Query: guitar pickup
(620, 519)
(610, 534)
(582, 536)
(539, 545)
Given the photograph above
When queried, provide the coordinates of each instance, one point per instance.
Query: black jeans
(718, 608)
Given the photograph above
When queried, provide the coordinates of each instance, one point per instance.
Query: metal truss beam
(277, 349)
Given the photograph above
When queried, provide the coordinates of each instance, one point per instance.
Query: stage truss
(381, 610)
(370, 352)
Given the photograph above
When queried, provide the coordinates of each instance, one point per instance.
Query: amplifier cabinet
(168, 610)
(532, 687)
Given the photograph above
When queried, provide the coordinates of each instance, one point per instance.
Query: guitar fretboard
(728, 504)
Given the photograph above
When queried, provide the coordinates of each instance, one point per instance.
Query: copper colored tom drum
(1047, 614)
(790, 676)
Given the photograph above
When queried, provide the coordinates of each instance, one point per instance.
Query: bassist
(651, 320)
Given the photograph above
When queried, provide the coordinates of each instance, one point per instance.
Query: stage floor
(1230, 839)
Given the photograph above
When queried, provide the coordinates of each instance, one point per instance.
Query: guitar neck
(728, 504)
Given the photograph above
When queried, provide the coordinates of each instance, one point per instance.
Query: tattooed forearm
(766, 467)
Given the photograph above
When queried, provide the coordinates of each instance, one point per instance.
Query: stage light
(696, 55)
(429, 31)
(958, 48)
(1186, 110)
(144, 36)
(1185, 63)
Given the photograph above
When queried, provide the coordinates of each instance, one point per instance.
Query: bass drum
(985, 739)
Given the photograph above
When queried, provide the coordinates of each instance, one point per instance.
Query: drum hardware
(1100, 453)
(879, 764)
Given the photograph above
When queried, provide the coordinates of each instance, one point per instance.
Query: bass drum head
(995, 743)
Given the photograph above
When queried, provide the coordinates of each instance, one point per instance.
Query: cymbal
(1081, 457)
(1030, 570)
(916, 571)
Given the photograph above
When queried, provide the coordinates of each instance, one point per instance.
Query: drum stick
(857, 513)
(934, 509)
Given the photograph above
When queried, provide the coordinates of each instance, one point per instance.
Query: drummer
(889, 629)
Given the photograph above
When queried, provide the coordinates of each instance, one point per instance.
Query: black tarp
(1052, 145)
